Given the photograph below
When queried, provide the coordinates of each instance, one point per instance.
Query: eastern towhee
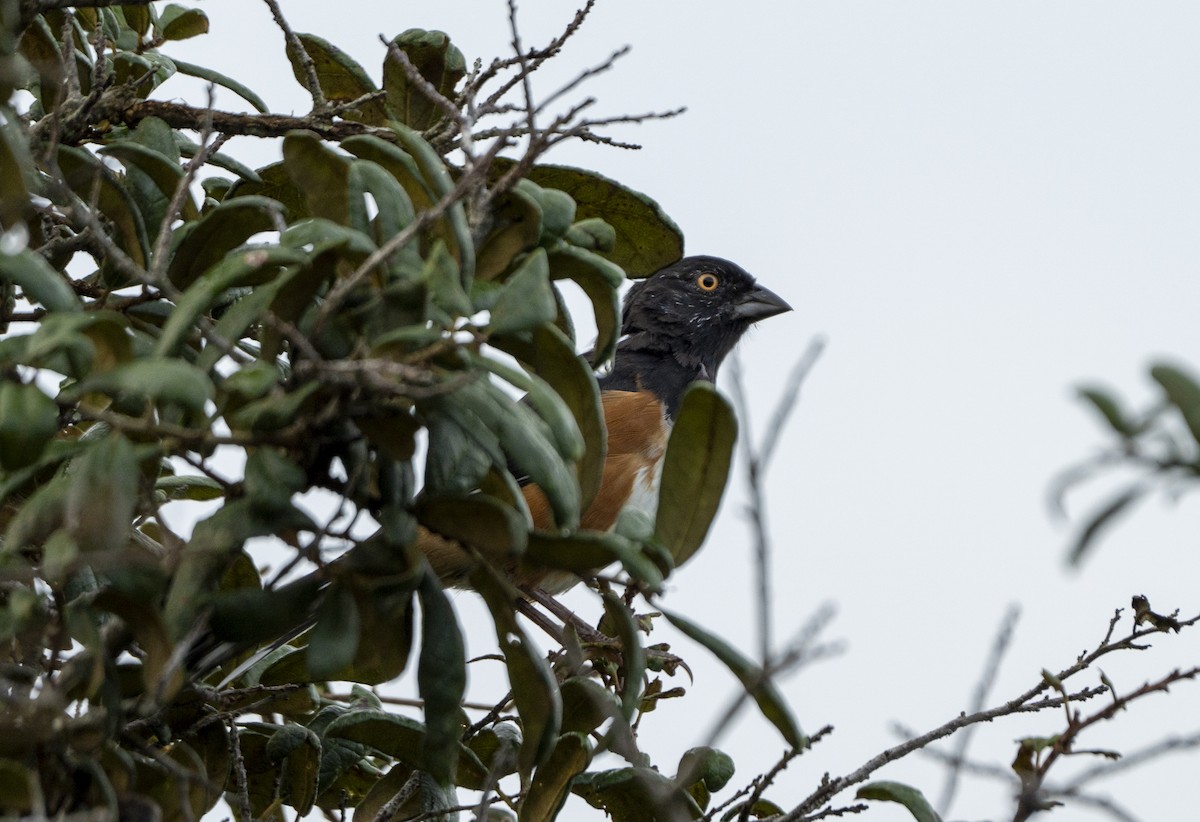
(678, 325)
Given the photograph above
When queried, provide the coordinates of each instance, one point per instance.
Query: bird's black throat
(659, 371)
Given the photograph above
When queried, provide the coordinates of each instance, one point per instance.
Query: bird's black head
(681, 322)
(696, 310)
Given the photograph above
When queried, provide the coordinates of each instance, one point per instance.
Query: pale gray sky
(978, 204)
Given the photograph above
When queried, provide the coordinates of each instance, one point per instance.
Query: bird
(677, 327)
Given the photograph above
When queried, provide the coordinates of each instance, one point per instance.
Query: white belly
(644, 496)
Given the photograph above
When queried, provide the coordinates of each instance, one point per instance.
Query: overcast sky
(978, 205)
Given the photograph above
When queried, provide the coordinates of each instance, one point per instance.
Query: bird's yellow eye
(708, 282)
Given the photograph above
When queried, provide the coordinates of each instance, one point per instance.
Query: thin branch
(526, 86)
(1032, 799)
(296, 47)
(787, 402)
(529, 62)
(831, 787)
(1131, 760)
(990, 671)
(581, 78)
(179, 115)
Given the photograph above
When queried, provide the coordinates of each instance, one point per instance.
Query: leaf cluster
(180, 329)
(1159, 445)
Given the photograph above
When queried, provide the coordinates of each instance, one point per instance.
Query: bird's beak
(760, 304)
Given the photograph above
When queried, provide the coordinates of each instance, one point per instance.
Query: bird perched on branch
(678, 326)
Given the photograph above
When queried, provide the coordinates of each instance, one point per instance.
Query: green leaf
(441, 276)
(40, 516)
(545, 401)
(646, 238)
(585, 552)
(619, 621)
(437, 60)
(155, 134)
(386, 610)
(396, 736)
(138, 18)
(552, 357)
(756, 683)
(39, 46)
(103, 495)
(695, 470)
(1103, 518)
(333, 642)
(1182, 391)
(14, 787)
(909, 797)
(179, 23)
(586, 705)
(386, 790)
(479, 521)
(189, 150)
(341, 79)
(152, 178)
(299, 749)
(535, 690)
(592, 234)
(436, 176)
(552, 781)
(320, 174)
(635, 794)
(162, 675)
(38, 281)
(460, 453)
(441, 680)
(1109, 408)
(18, 175)
(158, 379)
(394, 209)
(92, 181)
(581, 552)
(273, 182)
(205, 243)
(704, 764)
(558, 212)
(516, 227)
(401, 738)
(486, 421)
(526, 300)
(254, 615)
(28, 420)
(599, 280)
(216, 77)
(250, 266)
(396, 162)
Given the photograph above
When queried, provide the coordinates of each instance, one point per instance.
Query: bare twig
(986, 681)
(1032, 798)
(526, 85)
(755, 460)
(296, 47)
(831, 787)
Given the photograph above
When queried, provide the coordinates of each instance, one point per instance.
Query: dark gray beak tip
(760, 304)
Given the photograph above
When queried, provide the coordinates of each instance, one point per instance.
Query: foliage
(181, 328)
(1160, 444)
